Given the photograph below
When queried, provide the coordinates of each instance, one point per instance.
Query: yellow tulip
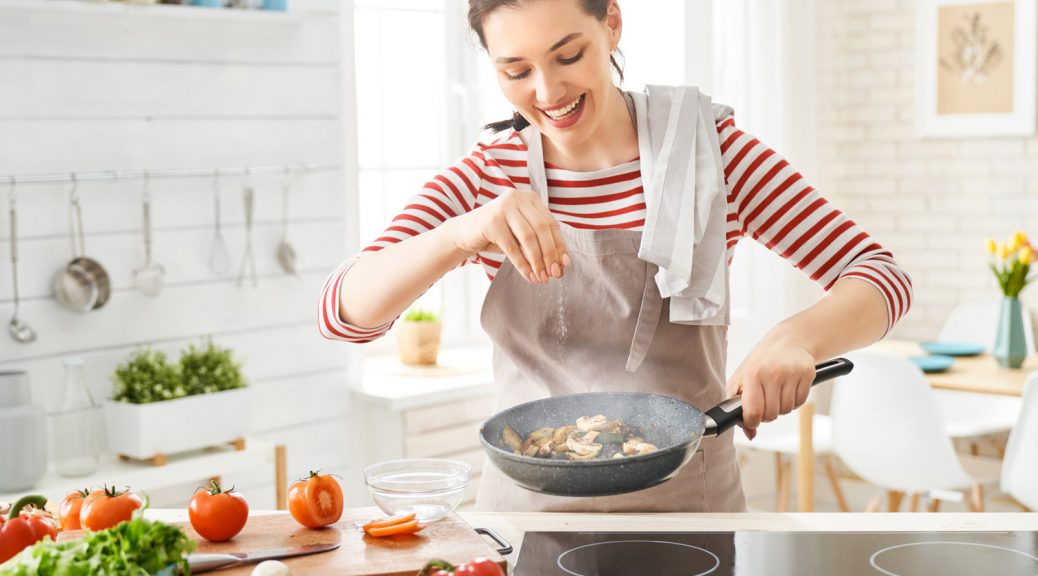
(991, 246)
(1026, 255)
(1013, 242)
(1002, 252)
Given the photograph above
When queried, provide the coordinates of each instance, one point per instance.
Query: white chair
(887, 429)
(783, 435)
(971, 415)
(1020, 466)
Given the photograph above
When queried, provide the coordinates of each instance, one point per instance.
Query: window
(407, 91)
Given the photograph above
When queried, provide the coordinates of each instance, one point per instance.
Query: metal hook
(11, 193)
(147, 185)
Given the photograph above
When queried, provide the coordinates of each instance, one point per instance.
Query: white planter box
(143, 431)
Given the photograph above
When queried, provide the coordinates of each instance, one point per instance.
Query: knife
(209, 562)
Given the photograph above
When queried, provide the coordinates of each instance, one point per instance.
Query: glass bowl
(429, 487)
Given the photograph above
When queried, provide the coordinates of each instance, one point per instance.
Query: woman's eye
(519, 76)
(573, 59)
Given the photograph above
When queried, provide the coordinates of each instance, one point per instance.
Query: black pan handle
(505, 547)
(729, 413)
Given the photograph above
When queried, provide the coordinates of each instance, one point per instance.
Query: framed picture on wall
(975, 67)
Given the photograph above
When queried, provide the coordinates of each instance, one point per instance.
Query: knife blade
(210, 562)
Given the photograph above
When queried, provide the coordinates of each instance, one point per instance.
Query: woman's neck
(614, 142)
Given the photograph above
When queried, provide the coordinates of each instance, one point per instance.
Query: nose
(550, 90)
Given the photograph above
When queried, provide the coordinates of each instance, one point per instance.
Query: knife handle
(207, 562)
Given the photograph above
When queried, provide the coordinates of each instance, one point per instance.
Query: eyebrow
(554, 47)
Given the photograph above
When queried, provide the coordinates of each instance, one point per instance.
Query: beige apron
(601, 329)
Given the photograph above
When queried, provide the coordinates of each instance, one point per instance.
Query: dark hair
(480, 9)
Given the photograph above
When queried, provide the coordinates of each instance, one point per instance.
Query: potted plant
(418, 337)
(1011, 262)
(158, 408)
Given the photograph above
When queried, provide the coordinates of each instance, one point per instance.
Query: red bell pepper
(475, 567)
(26, 524)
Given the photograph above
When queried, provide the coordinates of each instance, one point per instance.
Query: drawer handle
(505, 547)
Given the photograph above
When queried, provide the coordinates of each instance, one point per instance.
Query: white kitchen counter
(512, 525)
(460, 373)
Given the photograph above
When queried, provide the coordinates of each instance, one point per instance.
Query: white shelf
(143, 477)
(158, 10)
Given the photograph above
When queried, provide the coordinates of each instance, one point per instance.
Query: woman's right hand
(518, 224)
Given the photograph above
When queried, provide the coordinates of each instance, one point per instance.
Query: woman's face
(552, 62)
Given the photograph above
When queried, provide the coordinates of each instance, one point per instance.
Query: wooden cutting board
(450, 539)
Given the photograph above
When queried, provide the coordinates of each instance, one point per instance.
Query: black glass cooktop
(778, 553)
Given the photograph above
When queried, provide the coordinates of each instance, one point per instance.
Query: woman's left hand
(774, 379)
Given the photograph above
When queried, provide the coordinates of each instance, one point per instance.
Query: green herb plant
(147, 376)
(209, 368)
(420, 315)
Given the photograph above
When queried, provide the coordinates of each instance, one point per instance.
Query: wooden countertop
(512, 525)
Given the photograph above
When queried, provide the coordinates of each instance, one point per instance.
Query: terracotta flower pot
(419, 342)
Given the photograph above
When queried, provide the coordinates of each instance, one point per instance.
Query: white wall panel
(93, 87)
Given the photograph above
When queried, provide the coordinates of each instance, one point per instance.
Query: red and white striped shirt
(767, 200)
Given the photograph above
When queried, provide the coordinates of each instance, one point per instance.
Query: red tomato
(315, 501)
(105, 508)
(475, 567)
(218, 515)
(68, 513)
(479, 567)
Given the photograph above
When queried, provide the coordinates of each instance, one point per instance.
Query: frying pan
(675, 427)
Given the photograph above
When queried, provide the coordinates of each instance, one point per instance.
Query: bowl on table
(952, 347)
(431, 488)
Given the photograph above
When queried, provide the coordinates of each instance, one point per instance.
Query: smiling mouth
(560, 113)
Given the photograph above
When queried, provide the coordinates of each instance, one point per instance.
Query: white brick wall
(932, 202)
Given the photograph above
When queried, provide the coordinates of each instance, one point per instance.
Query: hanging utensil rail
(59, 177)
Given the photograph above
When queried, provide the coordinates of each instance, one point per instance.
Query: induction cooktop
(778, 553)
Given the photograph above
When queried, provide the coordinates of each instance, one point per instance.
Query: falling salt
(561, 324)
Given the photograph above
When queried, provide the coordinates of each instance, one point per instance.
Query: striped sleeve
(451, 193)
(772, 203)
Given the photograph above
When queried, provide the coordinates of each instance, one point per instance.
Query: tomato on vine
(105, 508)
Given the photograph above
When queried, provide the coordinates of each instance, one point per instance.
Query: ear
(615, 22)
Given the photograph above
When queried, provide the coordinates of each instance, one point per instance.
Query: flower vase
(1010, 345)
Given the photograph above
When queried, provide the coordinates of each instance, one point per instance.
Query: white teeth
(560, 112)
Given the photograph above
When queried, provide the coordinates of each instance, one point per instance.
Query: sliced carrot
(404, 528)
(389, 521)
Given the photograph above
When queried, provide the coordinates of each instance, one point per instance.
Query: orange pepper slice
(409, 527)
(389, 521)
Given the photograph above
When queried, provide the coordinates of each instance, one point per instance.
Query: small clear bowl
(429, 487)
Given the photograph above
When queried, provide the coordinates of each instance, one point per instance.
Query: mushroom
(583, 445)
(598, 423)
(637, 447)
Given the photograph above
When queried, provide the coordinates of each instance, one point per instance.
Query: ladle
(19, 329)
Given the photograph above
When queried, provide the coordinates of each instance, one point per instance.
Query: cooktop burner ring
(716, 560)
(875, 555)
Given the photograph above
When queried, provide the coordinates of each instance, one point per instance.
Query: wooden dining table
(979, 374)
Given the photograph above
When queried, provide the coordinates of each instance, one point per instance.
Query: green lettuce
(133, 548)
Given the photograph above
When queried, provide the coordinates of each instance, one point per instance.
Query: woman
(554, 211)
